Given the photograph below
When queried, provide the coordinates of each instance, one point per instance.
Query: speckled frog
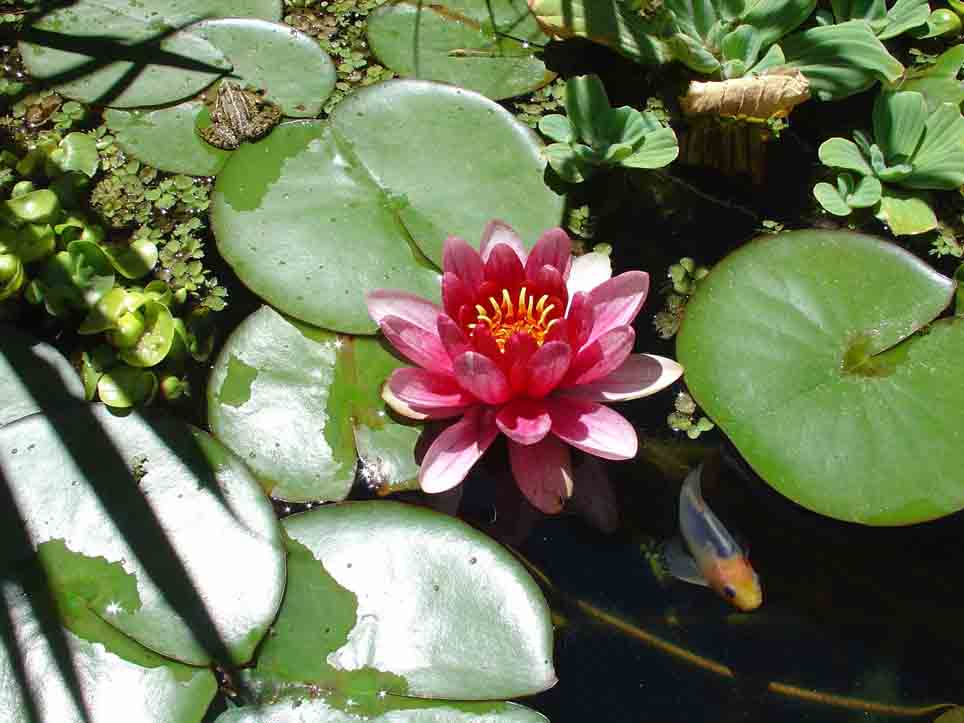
(238, 115)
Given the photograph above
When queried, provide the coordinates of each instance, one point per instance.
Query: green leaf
(566, 163)
(123, 387)
(610, 22)
(156, 340)
(341, 626)
(938, 83)
(317, 215)
(873, 11)
(85, 476)
(941, 22)
(167, 138)
(587, 104)
(905, 214)
(939, 161)
(841, 153)
(133, 260)
(76, 278)
(77, 152)
(820, 380)
(33, 376)
(866, 194)
(742, 44)
(660, 148)
(291, 68)
(831, 200)
(556, 127)
(899, 120)
(840, 60)
(462, 42)
(903, 16)
(386, 709)
(328, 389)
(775, 18)
(157, 691)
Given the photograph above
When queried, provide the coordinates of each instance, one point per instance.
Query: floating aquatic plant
(527, 345)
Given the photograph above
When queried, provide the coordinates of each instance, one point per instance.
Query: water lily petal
(518, 350)
(601, 357)
(524, 421)
(617, 301)
(421, 347)
(547, 280)
(403, 305)
(453, 338)
(588, 271)
(639, 376)
(455, 294)
(499, 232)
(547, 367)
(543, 472)
(420, 394)
(485, 343)
(592, 428)
(455, 450)
(554, 248)
(504, 269)
(459, 258)
(579, 320)
(481, 376)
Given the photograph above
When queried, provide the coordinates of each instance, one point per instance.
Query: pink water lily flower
(527, 345)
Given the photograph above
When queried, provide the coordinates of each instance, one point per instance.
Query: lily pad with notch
(342, 630)
(819, 355)
(326, 389)
(319, 214)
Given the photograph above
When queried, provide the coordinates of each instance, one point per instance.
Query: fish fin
(680, 563)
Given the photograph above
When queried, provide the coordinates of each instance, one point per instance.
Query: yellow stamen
(508, 318)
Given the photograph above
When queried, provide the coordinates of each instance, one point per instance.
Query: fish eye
(729, 591)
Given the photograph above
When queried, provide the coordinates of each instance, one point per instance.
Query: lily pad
(124, 54)
(378, 598)
(301, 404)
(822, 381)
(317, 215)
(105, 682)
(388, 709)
(166, 138)
(290, 66)
(462, 42)
(33, 376)
(169, 503)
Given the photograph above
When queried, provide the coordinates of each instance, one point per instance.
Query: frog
(238, 115)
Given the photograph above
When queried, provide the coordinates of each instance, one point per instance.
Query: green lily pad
(387, 709)
(317, 215)
(33, 376)
(290, 66)
(166, 138)
(169, 503)
(150, 692)
(326, 389)
(77, 152)
(379, 597)
(123, 54)
(462, 42)
(802, 348)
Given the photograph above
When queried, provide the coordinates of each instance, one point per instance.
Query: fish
(707, 554)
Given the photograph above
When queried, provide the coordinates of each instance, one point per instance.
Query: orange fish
(707, 554)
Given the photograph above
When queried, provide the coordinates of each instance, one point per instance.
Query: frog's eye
(729, 591)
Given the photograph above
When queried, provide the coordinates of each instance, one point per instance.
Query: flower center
(527, 316)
